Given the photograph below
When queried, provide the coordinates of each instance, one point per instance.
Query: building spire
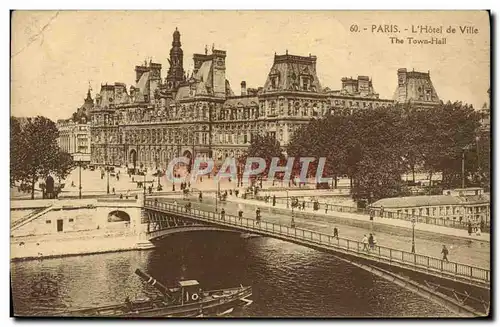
(89, 97)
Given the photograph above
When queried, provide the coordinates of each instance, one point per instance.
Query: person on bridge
(445, 253)
(257, 215)
(335, 232)
(223, 214)
(240, 211)
(370, 242)
(365, 243)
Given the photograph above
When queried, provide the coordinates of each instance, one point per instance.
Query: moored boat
(187, 300)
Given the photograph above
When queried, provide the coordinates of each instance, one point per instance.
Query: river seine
(288, 280)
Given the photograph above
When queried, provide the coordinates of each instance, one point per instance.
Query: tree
(265, 147)
(40, 152)
(17, 152)
(63, 165)
(325, 138)
(449, 134)
(376, 157)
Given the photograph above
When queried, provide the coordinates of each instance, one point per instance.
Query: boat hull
(209, 306)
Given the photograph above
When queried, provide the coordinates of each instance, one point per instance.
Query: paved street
(92, 184)
(461, 250)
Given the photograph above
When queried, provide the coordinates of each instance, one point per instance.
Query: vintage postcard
(250, 164)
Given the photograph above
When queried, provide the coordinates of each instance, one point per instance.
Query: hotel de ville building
(200, 115)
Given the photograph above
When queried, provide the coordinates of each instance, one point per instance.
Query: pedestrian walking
(370, 241)
(372, 213)
(445, 252)
(257, 215)
(200, 197)
(381, 211)
(326, 208)
(374, 241)
(365, 243)
(303, 205)
(336, 232)
(469, 228)
(223, 214)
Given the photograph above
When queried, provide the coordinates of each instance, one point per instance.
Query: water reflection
(287, 279)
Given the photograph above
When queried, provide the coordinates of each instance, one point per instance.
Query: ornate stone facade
(74, 133)
(198, 115)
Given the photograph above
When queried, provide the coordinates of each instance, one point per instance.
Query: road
(463, 251)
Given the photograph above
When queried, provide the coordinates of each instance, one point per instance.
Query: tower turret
(175, 74)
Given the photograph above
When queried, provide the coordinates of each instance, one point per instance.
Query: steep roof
(289, 72)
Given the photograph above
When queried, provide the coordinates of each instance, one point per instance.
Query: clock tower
(175, 74)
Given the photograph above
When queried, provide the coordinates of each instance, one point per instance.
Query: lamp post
(144, 186)
(79, 175)
(478, 157)
(287, 206)
(106, 152)
(217, 193)
(413, 222)
(157, 170)
(463, 168)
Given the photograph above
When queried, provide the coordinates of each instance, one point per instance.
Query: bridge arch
(157, 236)
(117, 216)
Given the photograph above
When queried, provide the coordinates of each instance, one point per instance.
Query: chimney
(243, 88)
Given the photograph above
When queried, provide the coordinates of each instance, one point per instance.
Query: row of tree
(376, 147)
(34, 152)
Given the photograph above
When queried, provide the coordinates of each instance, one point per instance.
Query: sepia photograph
(250, 164)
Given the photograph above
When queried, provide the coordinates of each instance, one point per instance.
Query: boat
(186, 300)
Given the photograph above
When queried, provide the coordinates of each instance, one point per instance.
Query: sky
(56, 55)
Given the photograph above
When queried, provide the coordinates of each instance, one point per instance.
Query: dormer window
(274, 83)
(428, 95)
(305, 83)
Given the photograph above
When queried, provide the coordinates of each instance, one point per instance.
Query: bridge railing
(381, 253)
(378, 214)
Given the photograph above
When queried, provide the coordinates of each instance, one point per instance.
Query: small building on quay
(461, 205)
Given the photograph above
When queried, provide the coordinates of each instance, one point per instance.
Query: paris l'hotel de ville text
(200, 115)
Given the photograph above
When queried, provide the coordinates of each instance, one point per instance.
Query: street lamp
(157, 170)
(287, 200)
(478, 158)
(413, 222)
(217, 193)
(463, 167)
(79, 175)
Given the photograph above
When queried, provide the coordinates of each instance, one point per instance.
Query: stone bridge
(467, 287)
